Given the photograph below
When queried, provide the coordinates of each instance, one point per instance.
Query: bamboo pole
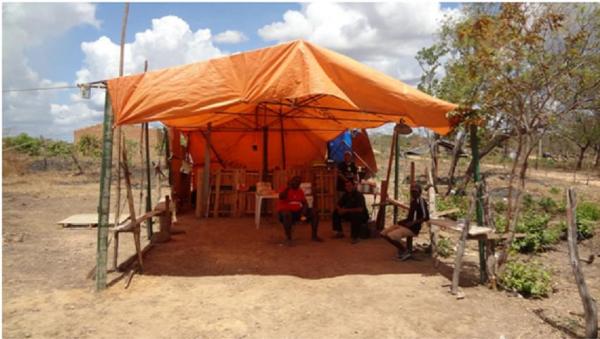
(479, 205)
(104, 203)
(589, 305)
(119, 135)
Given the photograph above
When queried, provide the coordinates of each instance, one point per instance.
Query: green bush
(501, 223)
(445, 247)
(23, 143)
(89, 146)
(588, 210)
(548, 205)
(528, 202)
(451, 202)
(500, 206)
(58, 148)
(537, 235)
(554, 190)
(529, 279)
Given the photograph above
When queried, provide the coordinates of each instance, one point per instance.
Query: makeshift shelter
(271, 107)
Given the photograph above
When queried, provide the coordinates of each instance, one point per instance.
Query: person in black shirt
(351, 207)
(346, 171)
(411, 226)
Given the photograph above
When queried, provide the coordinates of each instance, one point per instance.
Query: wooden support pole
(136, 228)
(283, 160)
(412, 172)
(104, 203)
(265, 164)
(589, 305)
(119, 133)
(478, 201)
(461, 251)
(148, 182)
(380, 221)
(206, 178)
(396, 176)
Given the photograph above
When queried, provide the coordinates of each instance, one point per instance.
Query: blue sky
(69, 43)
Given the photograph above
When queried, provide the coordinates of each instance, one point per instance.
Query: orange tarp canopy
(309, 93)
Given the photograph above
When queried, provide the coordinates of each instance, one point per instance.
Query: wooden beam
(207, 140)
(283, 162)
(104, 203)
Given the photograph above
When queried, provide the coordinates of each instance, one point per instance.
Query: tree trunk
(495, 142)
(589, 305)
(597, 161)
(582, 151)
(455, 156)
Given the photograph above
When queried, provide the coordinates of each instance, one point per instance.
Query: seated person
(409, 227)
(351, 207)
(346, 171)
(292, 207)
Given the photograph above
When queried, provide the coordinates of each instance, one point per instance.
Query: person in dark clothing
(347, 170)
(293, 207)
(411, 226)
(351, 207)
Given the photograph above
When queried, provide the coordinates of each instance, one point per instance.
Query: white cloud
(230, 37)
(169, 42)
(384, 35)
(26, 25)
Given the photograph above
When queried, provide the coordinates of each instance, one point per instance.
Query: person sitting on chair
(409, 227)
(351, 207)
(293, 207)
(347, 170)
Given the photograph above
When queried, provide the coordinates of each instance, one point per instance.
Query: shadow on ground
(230, 246)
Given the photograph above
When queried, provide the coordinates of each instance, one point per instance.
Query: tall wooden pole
(148, 181)
(206, 179)
(396, 176)
(121, 57)
(148, 177)
(478, 200)
(282, 141)
(265, 164)
(104, 201)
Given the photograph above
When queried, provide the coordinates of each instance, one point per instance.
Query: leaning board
(89, 220)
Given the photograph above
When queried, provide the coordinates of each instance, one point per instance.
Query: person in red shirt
(292, 207)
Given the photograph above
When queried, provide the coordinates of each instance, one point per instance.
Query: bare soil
(225, 278)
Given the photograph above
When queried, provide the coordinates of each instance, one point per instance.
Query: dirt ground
(226, 279)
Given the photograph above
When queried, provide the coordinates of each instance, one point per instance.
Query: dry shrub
(14, 164)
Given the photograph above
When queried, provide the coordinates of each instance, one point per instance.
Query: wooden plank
(87, 219)
(136, 228)
(199, 190)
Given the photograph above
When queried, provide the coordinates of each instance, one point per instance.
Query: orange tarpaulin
(310, 93)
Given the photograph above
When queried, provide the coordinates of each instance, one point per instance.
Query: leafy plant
(451, 202)
(89, 146)
(445, 247)
(58, 148)
(529, 279)
(537, 235)
(528, 201)
(23, 143)
(588, 210)
(548, 205)
(554, 190)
